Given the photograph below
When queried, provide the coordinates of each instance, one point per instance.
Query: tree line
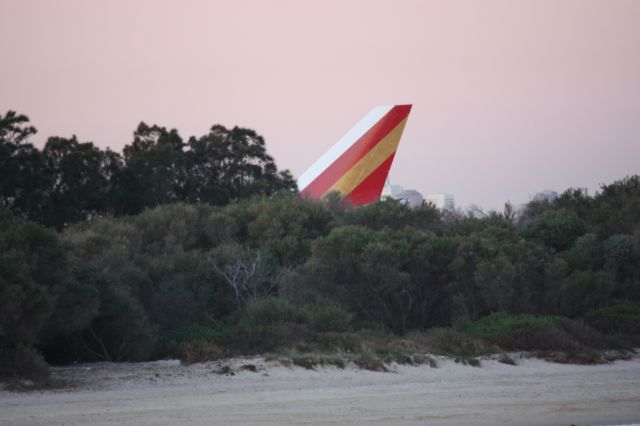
(245, 263)
(70, 181)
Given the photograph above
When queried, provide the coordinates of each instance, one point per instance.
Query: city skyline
(510, 98)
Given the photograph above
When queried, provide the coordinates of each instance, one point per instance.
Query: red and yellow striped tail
(358, 164)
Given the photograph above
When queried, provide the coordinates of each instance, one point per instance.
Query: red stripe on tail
(355, 152)
(369, 190)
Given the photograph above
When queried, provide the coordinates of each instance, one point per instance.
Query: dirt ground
(534, 392)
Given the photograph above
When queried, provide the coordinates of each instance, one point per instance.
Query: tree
(228, 164)
(80, 179)
(246, 274)
(154, 171)
(584, 291)
(34, 277)
(557, 229)
(23, 179)
(393, 214)
(616, 208)
(509, 213)
(399, 278)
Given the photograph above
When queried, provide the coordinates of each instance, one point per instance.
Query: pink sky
(510, 97)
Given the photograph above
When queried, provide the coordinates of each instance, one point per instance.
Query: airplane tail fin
(358, 164)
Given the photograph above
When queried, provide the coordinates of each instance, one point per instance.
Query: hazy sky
(510, 97)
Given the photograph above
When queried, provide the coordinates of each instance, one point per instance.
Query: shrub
(243, 340)
(23, 362)
(622, 318)
(449, 341)
(346, 342)
(310, 362)
(520, 332)
(328, 316)
(531, 333)
(370, 328)
(399, 358)
(273, 311)
(171, 343)
(191, 353)
(369, 361)
(584, 291)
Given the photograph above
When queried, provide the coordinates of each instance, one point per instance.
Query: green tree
(229, 164)
(584, 291)
(80, 177)
(616, 208)
(393, 214)
(399, 278)
(557, 229)
(154, 171)
(23, 178)
(32, 267)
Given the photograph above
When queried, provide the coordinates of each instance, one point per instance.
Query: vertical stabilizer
(357, 166)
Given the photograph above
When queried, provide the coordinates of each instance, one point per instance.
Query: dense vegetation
(198, 253)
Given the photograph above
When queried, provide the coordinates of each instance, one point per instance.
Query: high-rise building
(410, 196)
(546, 195)
(441, 201)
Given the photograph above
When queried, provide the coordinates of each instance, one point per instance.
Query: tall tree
(80, 177)
(23, 178)
(154, 172)
(228, 164)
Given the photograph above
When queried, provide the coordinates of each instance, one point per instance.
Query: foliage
(393, 214)
(198, 247)
(71, 181)
(584, 291)
(23, 363)
(186, 340)
(557, 229)
(326, 315)
(531, 333)
(619, 318)
(273, 311)
(512, 331)
(343, 342)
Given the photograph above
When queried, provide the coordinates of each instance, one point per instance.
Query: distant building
(442, 201)
(411, 197)
(395, 190)
(546, 195)
(387, 192)
(475, 211)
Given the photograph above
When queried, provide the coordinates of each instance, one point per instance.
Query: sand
(534, 392)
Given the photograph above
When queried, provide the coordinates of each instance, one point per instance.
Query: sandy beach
(534, 392)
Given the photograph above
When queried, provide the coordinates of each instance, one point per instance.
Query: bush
(346, 342)
(531, 333)
(369, 361)
(310, 362)
(622, 318)
(328, 316)
(273, 311)
(584, 291)
(171, 344)
(448, 341)
(191, 353)
(23, 363)
(242, 340)
(512, 331)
